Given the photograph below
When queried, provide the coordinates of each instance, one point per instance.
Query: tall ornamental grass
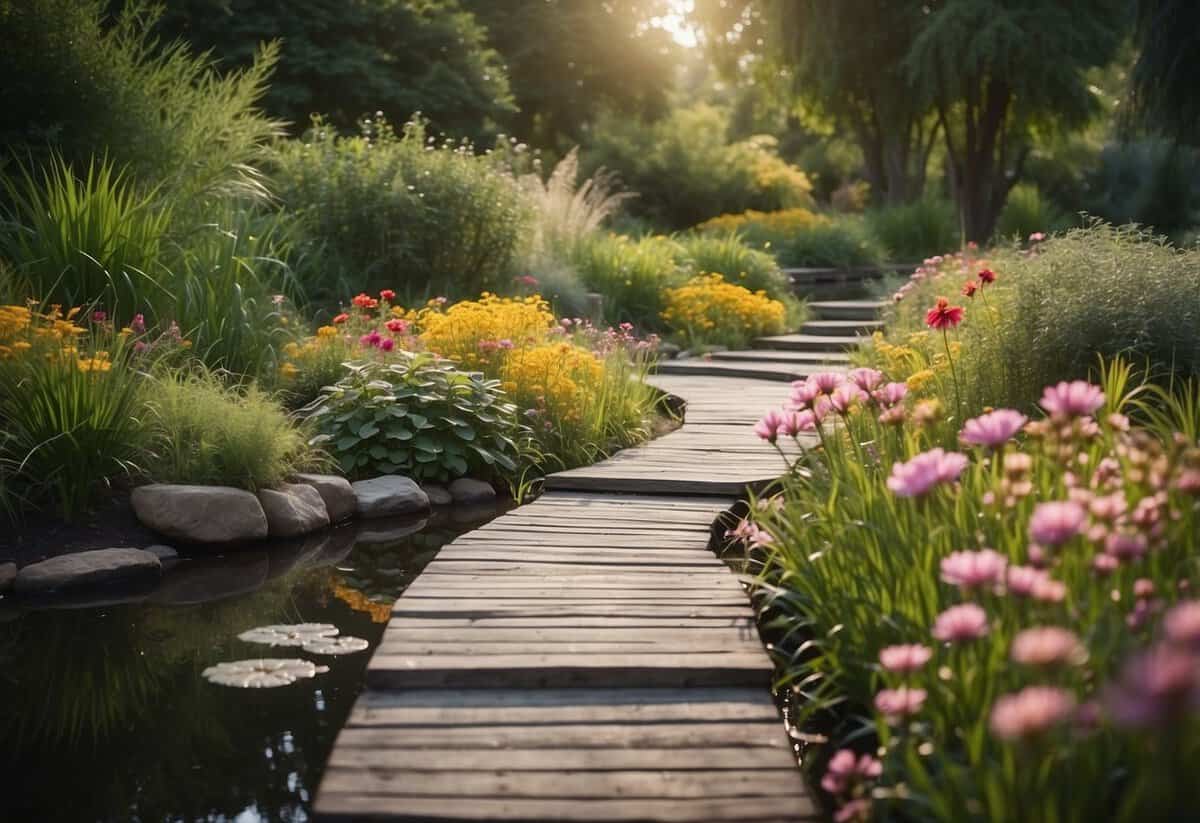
(1042, 313)
(995, 618)
(630, 274)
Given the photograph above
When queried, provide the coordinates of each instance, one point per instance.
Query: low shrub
(708, 310)
(732, 258)
(416, 414)
(916, 230)
(799, 237)
(202, 430)
(630, 274)
(1006, 629)
(401, 211)
(1025, 212)
(1051, 308)
(769, 230)
(476, 333)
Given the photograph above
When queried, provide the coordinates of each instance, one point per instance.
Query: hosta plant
(417, 415)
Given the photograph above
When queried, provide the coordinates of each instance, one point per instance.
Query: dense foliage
(708, 310)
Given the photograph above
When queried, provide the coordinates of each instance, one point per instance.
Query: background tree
(1165, 90)
(569, 60)
(349, 58)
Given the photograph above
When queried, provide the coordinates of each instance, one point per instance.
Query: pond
(104, 714)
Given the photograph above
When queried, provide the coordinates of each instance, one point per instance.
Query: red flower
(987, 276)
(365, 301)
(341, 318)
(388, 295)
(969, 288)
(397, 326)
(943, 316)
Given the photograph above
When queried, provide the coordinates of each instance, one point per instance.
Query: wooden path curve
(586, 656)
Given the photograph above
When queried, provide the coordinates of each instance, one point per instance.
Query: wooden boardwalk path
(586, 656)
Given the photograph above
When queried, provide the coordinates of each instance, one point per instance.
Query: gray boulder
(438, 495)
(165, 554)
(388, 496)
(466, 490)
(91, 568)
(337, 493)
(200, 514)
(293, 510)
(8, 573)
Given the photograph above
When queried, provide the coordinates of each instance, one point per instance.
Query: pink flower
(893, 416)
(1188, 481)
(505, 344)
(925, 471)
(1108, 507)
(992, 429)
(896, 704)
(1182, 624)
(943, 316)
(1075, 399)
(1126, 546)
(904, 658)
(1047, 646)
(972, 569)
(1037, 237)
(1143, 587)
(1104, 564)
(960, 623)
(857, 810)
(1030, 711)
(1053, 524)
(138, 323)
(99, 316)
(1155, 688)
(845, 396)
(803, 393)
(768, 427)
(795, 422)
(891, 394)
(826, 381)
(866, 379)
(844, 769)
(387, 344)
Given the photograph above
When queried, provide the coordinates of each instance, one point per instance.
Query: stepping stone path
(587, 656)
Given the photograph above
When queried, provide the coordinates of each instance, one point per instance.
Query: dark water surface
(103, 712)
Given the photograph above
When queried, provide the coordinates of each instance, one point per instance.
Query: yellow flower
(327, 331)
(94, 364)
(918, 380)
(708, 303)
(287, 371)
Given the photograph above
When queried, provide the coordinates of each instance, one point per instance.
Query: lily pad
(267, 673)
(295, 634)
(336, 645)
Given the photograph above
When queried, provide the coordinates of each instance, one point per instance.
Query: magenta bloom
(925, 471)
(803, 393)
(99, 316)
(795, 422)
(1078, 398)
(1125, 546)
(857, 810)
(826, 381)
(1108, 507)
(768, 427)
(866, 379)
(992, 429)
(845, 769)
(1030, 711)
(896, 704)
(387, 344)
(891, 394)
(138, 323)
(904, 658)
(1053, 524)
(1182, 624)
(1047, 646)
(960, 623)
(845, 396)
(1156, 688)
(970, 570)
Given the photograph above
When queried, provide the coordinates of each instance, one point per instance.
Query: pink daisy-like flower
(1046, 646)
(803, 393)
(1030, 712)
(845, 768)
(896, 704)
(1108, 507)
(992, 429)
(845, 396)
(866, 379)
(768, 427)
(925, 471)
(904, 658)
(1078, 398)
(1182, 624)
(1053, 524)
(961, 623)
(795, 422)
(1125, 546)
(972, 569)
(1156, 688)
(891, 394)
(826, 381)
(893, 416)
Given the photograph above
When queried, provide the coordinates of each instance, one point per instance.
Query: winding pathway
(587, 656)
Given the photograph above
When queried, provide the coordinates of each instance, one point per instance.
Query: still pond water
(104, 715)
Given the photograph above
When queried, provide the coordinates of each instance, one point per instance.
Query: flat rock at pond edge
(340, 502)
(200, 514)
(438, 495)
(466, 490)
(389, 495)
(8, 573)
(92, 568)
(293, 509)
(165, 554)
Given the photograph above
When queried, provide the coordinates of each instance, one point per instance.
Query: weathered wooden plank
(396, 755)
(657, 621)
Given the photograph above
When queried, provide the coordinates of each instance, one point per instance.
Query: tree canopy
(1166, 94)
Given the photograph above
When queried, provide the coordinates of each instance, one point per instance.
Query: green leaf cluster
(419, 416)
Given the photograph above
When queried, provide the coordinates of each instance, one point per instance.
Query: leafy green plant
(1027, 211)
(631, 274)
(399, 211)
(201, 429)
(418, 415)
(843, 242)
(917, 230)
(730, 256)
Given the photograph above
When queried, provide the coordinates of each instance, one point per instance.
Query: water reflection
(104, 715)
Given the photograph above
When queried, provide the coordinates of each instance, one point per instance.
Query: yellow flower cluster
(22, 330)
(782, 222)
(472, 332)
(555, 377)
(707, 308)
(919, 362)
